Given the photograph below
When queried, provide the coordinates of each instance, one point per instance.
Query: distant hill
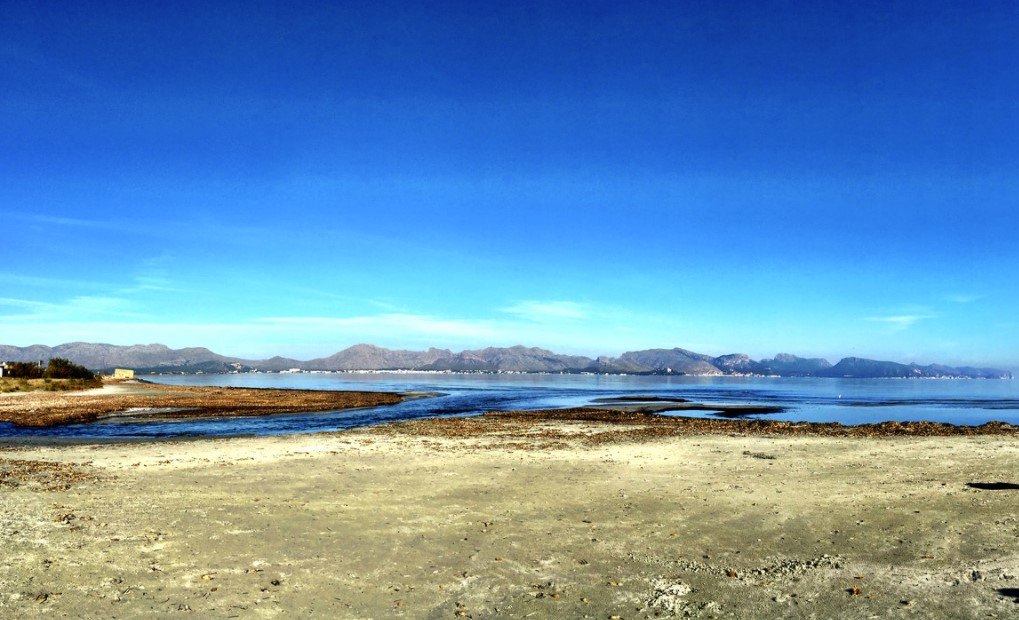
(673, 361)
(737, 364)
(371, 357)
(787, 365)
(855, 367)
(151, 358)
(141, 357)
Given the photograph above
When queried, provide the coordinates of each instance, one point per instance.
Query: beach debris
(633, 426)
(1012, 593)
(668, 596)
(993, 486)
(44, 475)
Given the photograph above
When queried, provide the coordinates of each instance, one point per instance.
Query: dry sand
(534, 520)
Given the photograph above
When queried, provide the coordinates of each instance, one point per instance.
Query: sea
(847, 401)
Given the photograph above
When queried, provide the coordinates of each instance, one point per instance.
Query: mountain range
(153, 358)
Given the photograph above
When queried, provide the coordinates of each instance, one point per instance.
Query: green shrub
(23, 370)
(60, 368)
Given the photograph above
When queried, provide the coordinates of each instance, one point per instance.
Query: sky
(261, 178)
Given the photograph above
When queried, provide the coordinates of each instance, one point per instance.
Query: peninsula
(153, 400)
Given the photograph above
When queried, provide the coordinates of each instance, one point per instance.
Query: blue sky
(292, 178)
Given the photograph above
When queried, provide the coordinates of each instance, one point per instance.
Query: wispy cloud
(545, 310)
(306, 292)
(53, 220)
(20, 279)
(388, 325)
(29, 304)
(81, 307)
(960, 298)
(322, 335)
(900, 322)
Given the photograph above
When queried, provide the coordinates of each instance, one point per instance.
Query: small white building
(3, 368)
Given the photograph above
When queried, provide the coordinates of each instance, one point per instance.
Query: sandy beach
(523, 516)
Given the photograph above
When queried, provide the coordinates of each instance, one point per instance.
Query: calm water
(849, 401)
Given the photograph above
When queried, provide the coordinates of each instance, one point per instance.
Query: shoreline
(616, 426)
(156, 401)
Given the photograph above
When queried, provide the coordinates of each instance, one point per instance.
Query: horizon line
(1006, 366)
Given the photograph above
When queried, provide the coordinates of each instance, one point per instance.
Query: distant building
(123, 373)
(3, 368)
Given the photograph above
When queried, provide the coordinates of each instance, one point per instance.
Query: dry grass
(8, 385)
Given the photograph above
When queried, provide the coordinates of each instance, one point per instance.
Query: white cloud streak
(387, 325)
(900, 322)
(545, 310)
(963, 298)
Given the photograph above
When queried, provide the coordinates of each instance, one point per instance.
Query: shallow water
(849, 401)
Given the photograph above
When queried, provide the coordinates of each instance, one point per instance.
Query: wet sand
(516, 515)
